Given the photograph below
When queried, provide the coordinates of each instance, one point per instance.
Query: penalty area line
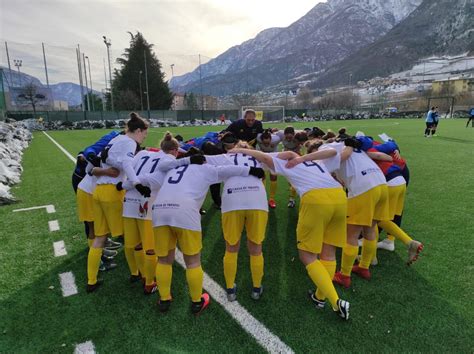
(264, 337)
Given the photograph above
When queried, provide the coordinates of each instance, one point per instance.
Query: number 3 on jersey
(179, 175)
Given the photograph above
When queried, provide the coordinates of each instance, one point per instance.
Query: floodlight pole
(17, 63)
(141, 91)
(87, 87)
(202, 96)
(90, 81)
(9, 67)
(108, 43)
(146, 85)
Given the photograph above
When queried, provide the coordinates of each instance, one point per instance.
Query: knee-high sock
(256, 268)
(331, 269)
(93, 263)
(90, 241)
(273, 189)
(164, 273)
(369, 248)
(230, 268)
(349, 254)
(320, 277)
(292, 192)
(149, 268)
(391, 228)
(140, 260)
(398, 221)
(195, 276)
(130, 257)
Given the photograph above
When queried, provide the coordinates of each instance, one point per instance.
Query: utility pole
(146, 85)
(17, 63)
(90, 81)
(104, 93)
(172, 70)
(108, 43)
(141, 91)
(78, 55)
(9, 67)
(202, 96)
(87, 87)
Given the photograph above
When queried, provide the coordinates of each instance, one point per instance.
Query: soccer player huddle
(350, 188)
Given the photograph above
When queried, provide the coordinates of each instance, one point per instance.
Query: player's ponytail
(136, 122)
(169, 143)
(313, 145)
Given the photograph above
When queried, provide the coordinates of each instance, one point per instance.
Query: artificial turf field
(423, 308)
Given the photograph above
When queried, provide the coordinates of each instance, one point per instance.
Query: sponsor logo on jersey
(242, 189)
(370, 170)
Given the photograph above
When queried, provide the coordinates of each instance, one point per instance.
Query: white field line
(250, 324)
(59, 249)
(60, 147)
(68, 284)
(53, 225)
(49, 208)
(85, 348)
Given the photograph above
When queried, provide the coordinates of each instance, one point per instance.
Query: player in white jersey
(176, 220)
(244, 204)
(321, 220)
(268, 142)
(108, 200)
(367, 204)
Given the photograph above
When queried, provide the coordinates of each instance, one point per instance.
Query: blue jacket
(429, 117)
(100, 145)
(471, 112)
(199, 141)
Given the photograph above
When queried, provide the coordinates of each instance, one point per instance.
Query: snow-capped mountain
(324, 36)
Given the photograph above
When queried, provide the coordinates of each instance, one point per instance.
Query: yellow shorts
(166, 237)
(322, 219)
(396, 199)
(137, 231)
(255, 222)
(85, 206)
(369, 206)
(108, 209)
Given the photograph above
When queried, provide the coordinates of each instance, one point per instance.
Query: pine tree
(126, 84)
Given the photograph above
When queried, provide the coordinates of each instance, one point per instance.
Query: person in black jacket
(246, 129)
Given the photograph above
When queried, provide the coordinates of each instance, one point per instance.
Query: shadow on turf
(455, 140)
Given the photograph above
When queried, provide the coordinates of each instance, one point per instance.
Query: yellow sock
(256, 268)
(195, 276)
(230, 268)
(391, 228)
(331, 269)
(369, 248)
(164, 273)
(130, 257)
(349, 254)
(90, 241)
(273, 189)
(93, 263)
(292, 192)
(391, 238)
(320, 277)
(150, 266)
(140, 261)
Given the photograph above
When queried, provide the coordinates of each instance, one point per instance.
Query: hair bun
(134, 116)
(342, 131)
(168, 136)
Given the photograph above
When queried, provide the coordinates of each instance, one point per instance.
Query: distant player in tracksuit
(430, 116)
(471, 117)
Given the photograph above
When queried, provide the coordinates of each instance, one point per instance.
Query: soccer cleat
(256, 293)
(112, 245)
(343, 309)
(272, 204)
(164, 305)
(105, 266)
(318, 303)
(232, 293)
(149, 289)
(386, 244)
(105, 258)
(135, 278)
(361, 272)
(291, 203)
(109, 253)
(202, 211)
(414, 250)
(342, 279)
(91, 288)
(198, 307)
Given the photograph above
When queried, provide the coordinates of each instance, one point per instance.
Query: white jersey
(183, 192)
(88, 183)
(305, 176)
(134, 204)
(241, 193)
(360, 174)
(332, 163)
(272, 147)
(121, 151)
(397, 181)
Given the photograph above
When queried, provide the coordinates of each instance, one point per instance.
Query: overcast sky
(179, 29)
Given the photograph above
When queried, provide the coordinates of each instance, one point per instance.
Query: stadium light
(108, 43)
(17, 63)
(172, 70)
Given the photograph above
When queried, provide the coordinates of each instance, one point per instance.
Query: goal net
(266, 113)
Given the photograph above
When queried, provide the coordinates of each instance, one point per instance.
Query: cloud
(179, 29)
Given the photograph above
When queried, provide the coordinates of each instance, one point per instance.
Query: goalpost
(266, 113)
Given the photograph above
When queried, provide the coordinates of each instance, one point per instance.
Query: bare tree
(304, 98)
(29, 93)
(324, 103)
(244, 99)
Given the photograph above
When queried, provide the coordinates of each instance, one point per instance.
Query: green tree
(96, 102)
(126, 84)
